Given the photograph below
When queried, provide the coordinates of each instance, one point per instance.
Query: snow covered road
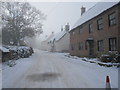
(54, 70)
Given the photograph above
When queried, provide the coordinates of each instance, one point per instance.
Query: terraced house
(97, 31)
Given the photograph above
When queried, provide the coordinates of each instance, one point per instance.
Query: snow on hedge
(16, 52)
(3, 49)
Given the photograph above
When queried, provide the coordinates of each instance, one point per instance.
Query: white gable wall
(45, 45)
(62, 45)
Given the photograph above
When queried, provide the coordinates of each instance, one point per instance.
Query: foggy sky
(59, 14)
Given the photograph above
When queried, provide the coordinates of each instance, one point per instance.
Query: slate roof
(58, 36)
(93, 12)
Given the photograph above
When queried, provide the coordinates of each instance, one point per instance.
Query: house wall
(104, 34)
(62, 45)
(119, 27)
(0, 56)
(45, 45)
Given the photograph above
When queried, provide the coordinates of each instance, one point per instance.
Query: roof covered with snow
(3, 49)
(94, 11)
(58, 36)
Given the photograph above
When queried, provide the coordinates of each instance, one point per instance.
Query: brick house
(97, 31)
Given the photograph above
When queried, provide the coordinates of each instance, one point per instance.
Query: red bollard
(108, 83)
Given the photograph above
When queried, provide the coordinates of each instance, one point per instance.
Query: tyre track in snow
(71, 78)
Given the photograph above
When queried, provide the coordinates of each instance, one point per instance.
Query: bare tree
(20, 20)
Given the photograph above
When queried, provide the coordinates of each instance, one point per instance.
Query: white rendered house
(45, 44)
(61, 41)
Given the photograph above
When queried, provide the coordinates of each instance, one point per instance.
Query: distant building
(45, 44)
(61, 41)
(97, 31)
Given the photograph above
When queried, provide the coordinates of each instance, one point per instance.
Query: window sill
(112, 25)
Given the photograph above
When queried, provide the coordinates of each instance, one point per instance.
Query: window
(86, 45)
(72, 33)
(90, 28)
(100, 45)
(72, 48)
(81, 46)
(112, 19)
(100, 24)
(112, 44)
(80, 30)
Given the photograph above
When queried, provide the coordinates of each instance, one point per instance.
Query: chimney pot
(67, 27)
(61, 28)
(52, 32)
(83, 9)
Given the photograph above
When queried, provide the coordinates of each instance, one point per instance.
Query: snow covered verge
(15, 72)
(92, 73)
(75, 73)
(12, 55)
(94, 60)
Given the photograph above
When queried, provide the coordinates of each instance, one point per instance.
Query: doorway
(91, 48)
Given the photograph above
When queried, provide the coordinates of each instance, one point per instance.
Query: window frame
(72, 33)
(91, 28)
(113, 47)
(72, 47)
(80, 29)
(81, 46)
(112, 18)
(100, 45)
(100, 24)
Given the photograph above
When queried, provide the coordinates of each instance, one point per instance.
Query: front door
(91, 48)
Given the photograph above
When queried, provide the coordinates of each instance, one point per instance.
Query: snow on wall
(94, 11)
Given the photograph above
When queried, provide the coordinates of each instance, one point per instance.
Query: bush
(112, 56)
(105, 58)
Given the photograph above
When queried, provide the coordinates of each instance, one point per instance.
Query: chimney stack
(61, 28)
(83, 9)
(67, 27)
(52, 33)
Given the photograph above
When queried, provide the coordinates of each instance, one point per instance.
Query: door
(91, 48)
